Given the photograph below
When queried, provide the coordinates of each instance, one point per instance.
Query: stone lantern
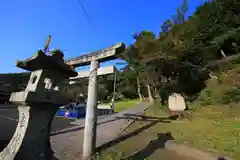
(37, 105)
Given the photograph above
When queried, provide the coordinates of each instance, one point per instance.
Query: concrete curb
(79, 126)
(105, 111)
(130, 122)
(66, 130)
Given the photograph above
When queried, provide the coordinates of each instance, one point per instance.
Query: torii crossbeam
(109, 53)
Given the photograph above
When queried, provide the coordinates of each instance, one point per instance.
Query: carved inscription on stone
(11, 150)
(21, 129)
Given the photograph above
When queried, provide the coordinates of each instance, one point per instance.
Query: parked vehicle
(72, 110)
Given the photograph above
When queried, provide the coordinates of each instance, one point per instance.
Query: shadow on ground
(135, 117)
(152, 121)
(153, 145)
(4, 143)
(71, 127)
(76, 128)
(61, 123)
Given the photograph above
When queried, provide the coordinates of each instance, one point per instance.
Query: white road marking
(4, 109)
(9, 118)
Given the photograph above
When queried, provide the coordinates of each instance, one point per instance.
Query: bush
(206, 97)
(221, 96)
(233, 95)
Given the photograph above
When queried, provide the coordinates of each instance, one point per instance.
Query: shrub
(232, 95)
(206, 97)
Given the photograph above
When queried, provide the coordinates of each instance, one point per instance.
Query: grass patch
(124, 104)
(213, 128)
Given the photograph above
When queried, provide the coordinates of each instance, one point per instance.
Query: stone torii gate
(93, 59)
(107, 70)
(44, 93)
(106, 54)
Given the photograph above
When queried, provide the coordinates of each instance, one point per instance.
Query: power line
(89, 20)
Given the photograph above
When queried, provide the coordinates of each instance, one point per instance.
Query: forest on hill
(198, 57)
(185, 53)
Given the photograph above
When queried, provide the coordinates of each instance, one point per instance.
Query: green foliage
(127, 83)
(206, 97)
(233, 95)
(185, 46)
(223, 90)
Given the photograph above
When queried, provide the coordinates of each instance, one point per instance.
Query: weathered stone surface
(31, 98)
(57, 53)
(31, 139)
(106, 54)
(37, 105)
(42, 87)
(176, 102)
(50, 63)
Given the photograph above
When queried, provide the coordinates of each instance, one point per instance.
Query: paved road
(9, 120)
(67, 144)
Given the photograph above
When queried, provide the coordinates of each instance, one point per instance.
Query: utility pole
(90, 130)
(114, 88)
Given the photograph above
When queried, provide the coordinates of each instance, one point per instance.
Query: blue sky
(25, 25)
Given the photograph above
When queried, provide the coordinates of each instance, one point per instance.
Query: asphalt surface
(9, 120)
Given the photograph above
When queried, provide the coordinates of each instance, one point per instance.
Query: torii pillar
(94, 58)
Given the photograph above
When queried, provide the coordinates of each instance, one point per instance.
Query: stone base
(180, 114)
(104, 111)
(31, 138)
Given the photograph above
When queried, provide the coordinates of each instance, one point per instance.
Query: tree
(179, 17)
(131, 56)
(145, 43)
(127, 85)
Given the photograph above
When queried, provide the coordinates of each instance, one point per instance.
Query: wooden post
(89, 142)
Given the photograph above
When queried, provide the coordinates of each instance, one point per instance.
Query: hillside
(225, 88)
(213, 125)
(13, 78)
